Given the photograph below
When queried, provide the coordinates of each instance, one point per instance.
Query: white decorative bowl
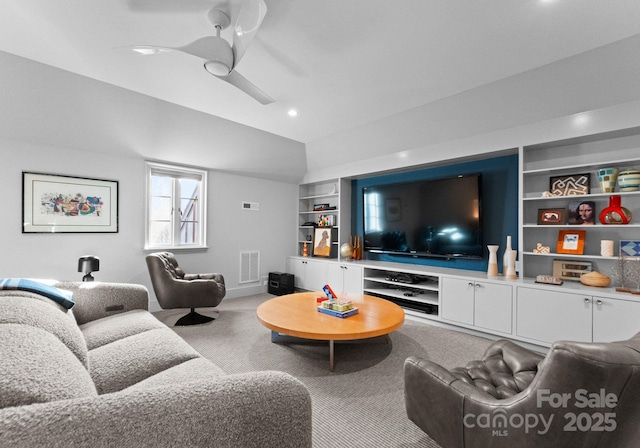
(629, 180)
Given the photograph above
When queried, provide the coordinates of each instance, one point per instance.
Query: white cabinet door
(316, 275)
(298, 268)
(344, 278)
(549, 316)
(352, 279)
(457, 300)
(493, 307)
(615, 320)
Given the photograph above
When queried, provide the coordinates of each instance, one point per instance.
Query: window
(176, 207)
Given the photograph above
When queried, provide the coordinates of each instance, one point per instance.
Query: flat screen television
(425, 218)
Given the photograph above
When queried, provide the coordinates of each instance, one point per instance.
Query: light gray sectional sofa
(107, 373)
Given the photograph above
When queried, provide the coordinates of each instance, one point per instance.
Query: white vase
(510, 271)
(492, 270)
(505, 257)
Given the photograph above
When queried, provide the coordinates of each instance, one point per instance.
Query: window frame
(177, 172)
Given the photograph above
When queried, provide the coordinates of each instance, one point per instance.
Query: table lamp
(88, 264)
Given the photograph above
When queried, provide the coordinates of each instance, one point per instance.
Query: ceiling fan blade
(249, 19)
(205, 47)
(146, 50)
(236, 79)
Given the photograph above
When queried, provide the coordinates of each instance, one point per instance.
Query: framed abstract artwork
(629, 248)
(573, 185)
(66, 204)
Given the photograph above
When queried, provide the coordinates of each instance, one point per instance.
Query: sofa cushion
(197, 369)
(26, 308)
(109, 329)
(37, 367)
(130, 360)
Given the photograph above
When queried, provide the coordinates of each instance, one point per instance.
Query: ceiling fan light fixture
(220, 61)
(217, 68)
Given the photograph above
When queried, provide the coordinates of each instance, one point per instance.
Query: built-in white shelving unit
(587, 154)
(335, 194)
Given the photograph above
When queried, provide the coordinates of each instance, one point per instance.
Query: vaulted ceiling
(342, 64)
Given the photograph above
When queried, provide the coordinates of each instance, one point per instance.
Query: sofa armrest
(257, 409)
(95, 300)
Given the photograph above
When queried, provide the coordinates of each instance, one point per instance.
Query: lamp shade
(88, 264)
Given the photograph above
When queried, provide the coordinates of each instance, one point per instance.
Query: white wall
(494, 117)
(46, 105)
(270, 230)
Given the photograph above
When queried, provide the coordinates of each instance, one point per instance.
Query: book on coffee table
(331, 312)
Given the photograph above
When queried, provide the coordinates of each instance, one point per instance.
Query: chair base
(193, 318)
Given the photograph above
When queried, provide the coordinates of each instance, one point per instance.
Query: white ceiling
(341, 63)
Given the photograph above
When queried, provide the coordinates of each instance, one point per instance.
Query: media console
(533, 313)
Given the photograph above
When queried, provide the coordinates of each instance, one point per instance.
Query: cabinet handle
(478, 285)
(470, 284)
(587, 300)
(598, 302)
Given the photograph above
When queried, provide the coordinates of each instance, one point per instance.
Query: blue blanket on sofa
(64, 298)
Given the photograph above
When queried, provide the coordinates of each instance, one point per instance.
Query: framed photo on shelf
(322, 242)
(571, 242)
(551, 216)
(65, 204)
(582, 213)
(576, 184)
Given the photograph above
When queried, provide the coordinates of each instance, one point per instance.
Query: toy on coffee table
(334, 306)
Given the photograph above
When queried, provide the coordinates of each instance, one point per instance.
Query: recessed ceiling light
(292, 113)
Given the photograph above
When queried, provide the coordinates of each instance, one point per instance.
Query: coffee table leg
(331, 359)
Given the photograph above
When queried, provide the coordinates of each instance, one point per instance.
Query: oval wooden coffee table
(296, 315)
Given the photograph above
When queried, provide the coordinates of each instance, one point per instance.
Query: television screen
(433, 217)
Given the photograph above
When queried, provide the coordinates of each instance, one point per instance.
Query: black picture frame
(53, 203)
(572, 185)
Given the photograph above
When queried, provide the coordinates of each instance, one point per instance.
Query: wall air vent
(249, 266)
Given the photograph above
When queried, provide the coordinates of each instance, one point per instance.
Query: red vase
(615, 213)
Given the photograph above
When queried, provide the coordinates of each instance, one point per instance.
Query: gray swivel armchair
(176, 289)
(578, 395)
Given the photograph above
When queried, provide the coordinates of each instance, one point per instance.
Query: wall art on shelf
(571, 242)
(571, 269)
(629, 248)
(582, 213)
(66, 204)
(551, 216)
(576, 184)
(322, 242)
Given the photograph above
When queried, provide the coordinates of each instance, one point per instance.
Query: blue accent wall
(499, 206)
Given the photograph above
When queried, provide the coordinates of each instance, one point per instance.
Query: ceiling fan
(221, 59)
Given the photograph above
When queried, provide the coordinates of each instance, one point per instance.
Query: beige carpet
(361, 403)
